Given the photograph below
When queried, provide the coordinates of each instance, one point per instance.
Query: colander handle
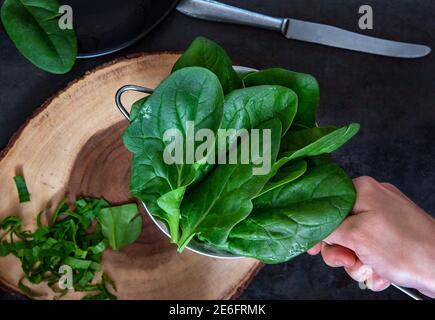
(122, 90)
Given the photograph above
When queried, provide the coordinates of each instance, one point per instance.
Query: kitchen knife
(302, 30)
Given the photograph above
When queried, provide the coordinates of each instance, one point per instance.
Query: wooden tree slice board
(72, 145)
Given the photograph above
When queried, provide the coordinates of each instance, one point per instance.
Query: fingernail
(365, 272)
(362, 273)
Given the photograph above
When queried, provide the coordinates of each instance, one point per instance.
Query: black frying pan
(106, 26)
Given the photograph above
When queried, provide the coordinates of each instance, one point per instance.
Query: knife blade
(302, 30)
(340, 38)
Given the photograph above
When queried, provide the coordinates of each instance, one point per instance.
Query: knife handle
(216, 11)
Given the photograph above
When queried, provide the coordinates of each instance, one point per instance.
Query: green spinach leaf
(271, 217)
(120, 225)
(33, 27)
(315, 141)
(287, 173)
(73, 238)
(319, 160)
(309, 143)
(23, 193)
(208, 54)
(212, 209)
(191, 94)
(137, 107)
(29, 292)
(294, 217)
(248, 108)
(304, 85)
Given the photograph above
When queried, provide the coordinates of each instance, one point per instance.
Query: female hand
(387, 238)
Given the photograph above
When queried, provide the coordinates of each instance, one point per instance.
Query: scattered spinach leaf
(23, 193)
(73, 238)
(103, 292)
(29, 292)
(120, 225)
(33, 27)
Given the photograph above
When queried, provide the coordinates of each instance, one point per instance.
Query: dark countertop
(392, 99)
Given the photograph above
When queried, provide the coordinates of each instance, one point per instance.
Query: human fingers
(359, 271)
(346, 235)
(367, 189)
(377, 283)
(315, 250)
(337, 256)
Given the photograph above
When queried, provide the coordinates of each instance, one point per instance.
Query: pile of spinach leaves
(271, 217)
(73, 237)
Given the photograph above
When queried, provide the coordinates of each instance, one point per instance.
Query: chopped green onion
(23, 193)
